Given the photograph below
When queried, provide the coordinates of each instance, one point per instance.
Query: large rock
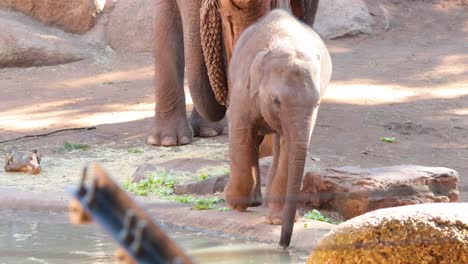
(353, 191)
(130, 26)
(77, 16)
(338, 18)
(425, 233)
(25, 43)
(208, 186)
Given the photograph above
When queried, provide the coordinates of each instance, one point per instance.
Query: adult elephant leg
(305, 10)
(200, 89)
(170, 123)
(205, 128)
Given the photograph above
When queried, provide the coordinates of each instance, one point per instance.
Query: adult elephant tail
(211, 34)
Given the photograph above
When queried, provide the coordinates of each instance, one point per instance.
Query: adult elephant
(179, 46)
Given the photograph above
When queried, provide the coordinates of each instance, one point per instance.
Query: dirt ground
(410, 82)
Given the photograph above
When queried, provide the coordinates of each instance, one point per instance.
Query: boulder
(143, 172)
(338, 18)
(130, 26)
(423, 233)
(353, 191)
(77, 16)
(26, 43)
(208, 186)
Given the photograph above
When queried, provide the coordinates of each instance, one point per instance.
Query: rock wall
(75, 16)
(124, 25)
(26, 43)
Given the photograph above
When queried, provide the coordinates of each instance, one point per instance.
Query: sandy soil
(410, 83)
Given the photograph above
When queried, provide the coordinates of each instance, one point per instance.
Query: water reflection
(47, 237)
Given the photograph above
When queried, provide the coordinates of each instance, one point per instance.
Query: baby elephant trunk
(297, 132)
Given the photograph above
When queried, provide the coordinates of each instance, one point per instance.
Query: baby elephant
(278, 74)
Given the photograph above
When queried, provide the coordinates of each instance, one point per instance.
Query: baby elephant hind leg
(257, 196)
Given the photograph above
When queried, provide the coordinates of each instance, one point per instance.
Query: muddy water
(47, 237)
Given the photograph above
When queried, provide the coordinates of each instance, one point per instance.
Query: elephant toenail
(153, 140)
(169, 141)
(184, 140)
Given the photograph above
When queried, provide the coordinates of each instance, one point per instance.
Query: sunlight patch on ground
(108, 78)
(449, 68)
(40, 117)
(127, 113)
(462, 111)
(62, 170)
(333, 49)
(358, 92)
(364, 92)
(53, 115)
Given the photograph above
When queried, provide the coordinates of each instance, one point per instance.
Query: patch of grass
(224, 209)
(206, 203)
(107, 83)
(198, 203)
(188, 199)
(318, 216)
(162, 185)
(388, 139)
(159, 184)
(202, 176)
(135, 151)
(68, 147)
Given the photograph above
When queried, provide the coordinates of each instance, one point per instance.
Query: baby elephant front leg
(239, 191)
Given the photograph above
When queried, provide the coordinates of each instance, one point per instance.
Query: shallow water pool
(47, 237)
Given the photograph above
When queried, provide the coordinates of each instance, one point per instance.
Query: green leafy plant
(206, 203)
(134, 151)
(68, 147)
(188, 199)
(159, 184)
(318, 216)
(388, 139)
(107, 83)
(224, 209)
(198, 203)
(203, 176)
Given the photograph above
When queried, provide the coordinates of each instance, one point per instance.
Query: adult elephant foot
(171, 131)
(204, 128)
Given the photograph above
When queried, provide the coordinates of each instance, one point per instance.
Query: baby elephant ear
(256, 72)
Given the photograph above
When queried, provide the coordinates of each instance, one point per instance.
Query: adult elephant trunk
(297, 131)
(221, 23)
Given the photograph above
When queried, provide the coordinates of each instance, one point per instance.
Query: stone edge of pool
(249, 225)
